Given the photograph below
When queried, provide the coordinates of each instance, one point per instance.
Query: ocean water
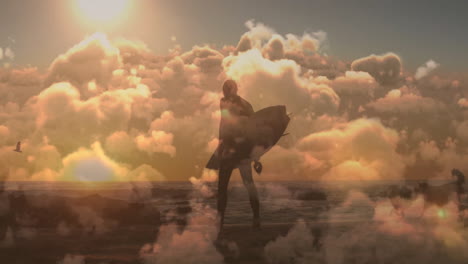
(281, 202)
(353, 222)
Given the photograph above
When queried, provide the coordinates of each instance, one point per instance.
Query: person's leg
(246, 174)
(225, 171)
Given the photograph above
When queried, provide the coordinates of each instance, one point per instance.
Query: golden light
(91, 166)
(102, 11)
(441, 213)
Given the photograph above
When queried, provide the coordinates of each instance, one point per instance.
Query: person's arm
(221, 125)
(247, 108)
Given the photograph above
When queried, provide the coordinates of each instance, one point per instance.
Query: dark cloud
(386, 69)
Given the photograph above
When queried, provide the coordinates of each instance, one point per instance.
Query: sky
(415, 30)
(377, 90)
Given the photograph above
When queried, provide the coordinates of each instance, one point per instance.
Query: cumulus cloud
(463, 102)
(386, 69)
(274, 49)
(189, 246)
(143, 108)
(257, 34)
(158, 141)
(72, 259)
(265, 83)
(358, 150)
(193, 243)
(425, 69)
(121, 146)
(355, 90)
(60, 106)
(394, 102)
(9, 53)
(94, 59)
(387, 236)
(90, 165)
(4, 133)
(19, 85)
(112, 110)
(292, 247)
(275, 46)
(277, 197)
(145, 173)
(373, 232)
(92, 221)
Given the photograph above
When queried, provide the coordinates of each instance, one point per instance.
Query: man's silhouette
(233, 148)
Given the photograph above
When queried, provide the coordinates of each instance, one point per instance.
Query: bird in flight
(18, 147)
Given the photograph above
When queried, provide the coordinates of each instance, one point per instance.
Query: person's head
(229, 88)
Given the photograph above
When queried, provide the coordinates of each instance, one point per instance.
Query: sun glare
(102, 11)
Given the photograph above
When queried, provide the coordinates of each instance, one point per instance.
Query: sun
(102, 11)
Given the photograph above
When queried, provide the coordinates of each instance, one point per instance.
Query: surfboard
(260, 132)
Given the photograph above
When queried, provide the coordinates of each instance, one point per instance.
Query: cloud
(90, 165)
(113, 110)
(281, 163)
(385, 236)
(94, 59)
(257, 34)
(159, 141)
(307, 50)
(9, 53)
(425, 69)
(187, 247)
(463, 103)
(265, 83)
(4, 133)
(193, 243)
(386, 69)
(19, 85)
(292, 247)
(72, 259)
(278, 197)
(121, 146)
(92, 221)
(396, 103)
(355, 89)
(61, 105)
(145, 173)
(359, 150)
(275, 46)
(274, 49)
(375, 234)
(428, 150)
(462, 131)
(163, 109)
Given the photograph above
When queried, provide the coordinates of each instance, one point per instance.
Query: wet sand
(124, 244)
